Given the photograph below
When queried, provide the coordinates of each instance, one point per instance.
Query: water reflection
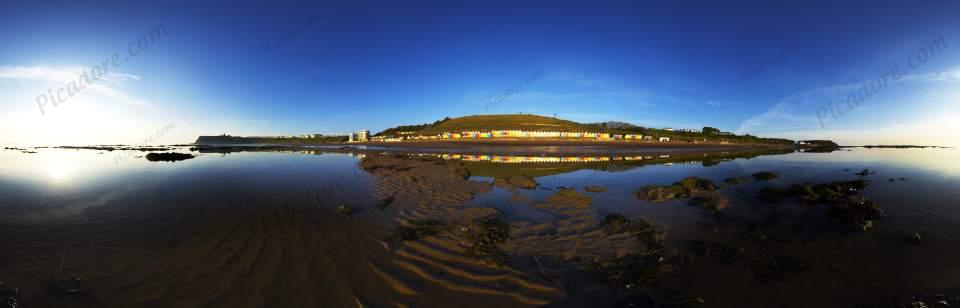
(262, 227)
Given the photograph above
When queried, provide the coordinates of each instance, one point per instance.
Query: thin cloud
(796, 112)
(722, 103)
(65, 75)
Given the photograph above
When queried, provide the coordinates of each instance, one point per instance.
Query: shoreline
(497, 148)
(630, 144)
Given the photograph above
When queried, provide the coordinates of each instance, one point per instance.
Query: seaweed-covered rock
(713, 203)
(385, 202)
(169, 157)
(487, 233)
(826, 192)
(858, 213)
(650, 236)
(569, 196)
(661, 193)
(757, 234)
(693, 183)
(914, 237)
(344, 210)
(660, 298)
(9, 297)
(70, 289)
(865, 172)
(615, 223)
(517, 181)
(765, 176)
(629, 271)
(638, 268)
(416, 230)
(735, 180)
(595, 188)
(678, 190)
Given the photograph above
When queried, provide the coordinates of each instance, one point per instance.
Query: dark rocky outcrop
(170, 157)
(765, 176)
(678, 190)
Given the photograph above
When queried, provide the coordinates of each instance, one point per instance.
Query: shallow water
(254, 229)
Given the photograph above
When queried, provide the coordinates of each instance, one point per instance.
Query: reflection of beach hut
(664, 139)
(647, 137)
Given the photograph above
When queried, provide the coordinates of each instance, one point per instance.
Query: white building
(664, 139)
(360, 136)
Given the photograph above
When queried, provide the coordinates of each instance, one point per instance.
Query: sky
(857, 72)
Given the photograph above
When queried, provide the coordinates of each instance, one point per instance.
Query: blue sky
(276, 67)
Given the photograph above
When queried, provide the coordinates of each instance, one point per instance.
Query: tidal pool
(476, 227)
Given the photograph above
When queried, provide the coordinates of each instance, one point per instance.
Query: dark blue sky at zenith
(292, 67)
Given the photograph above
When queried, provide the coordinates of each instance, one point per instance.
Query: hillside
(529, 122)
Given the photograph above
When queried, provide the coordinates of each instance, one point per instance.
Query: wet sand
(265, 231)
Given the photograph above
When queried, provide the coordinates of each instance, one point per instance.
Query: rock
(169, 157)
(824, 193)
(678, 190)
(757, 234)
(9, 297)
(914, 238)
(416, 230)
(735, 180)
(516, 181)
(595, 188)
(865, 172)
(569, 196)
(712, 203)
(693, 183)
(385, 202)
(615, 223)
(660, 193)
(344, 210)
(859, 213)
(637, 269)
(765, 176)
(488, 233)
(71, 289)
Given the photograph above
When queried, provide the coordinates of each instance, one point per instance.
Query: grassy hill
(490, 122)
(531, 122)
(504, 122)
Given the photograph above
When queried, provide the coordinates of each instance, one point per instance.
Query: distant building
(668, 129)
(688, 130)
(664, 139)
(360, 136)
(647, 137)
(725, 133)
